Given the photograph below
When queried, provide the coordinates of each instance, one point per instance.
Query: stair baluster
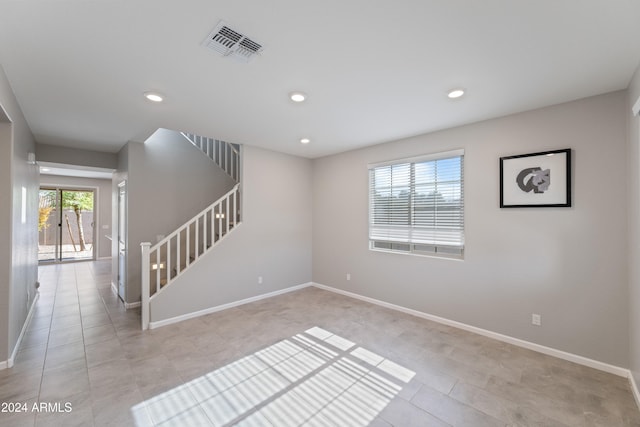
(225, 154)
(223, 216)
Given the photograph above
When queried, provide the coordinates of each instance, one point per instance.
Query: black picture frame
(536, 180)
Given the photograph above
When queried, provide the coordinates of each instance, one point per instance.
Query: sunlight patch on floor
(315, 378)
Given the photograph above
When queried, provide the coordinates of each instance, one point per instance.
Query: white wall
(76, 157)
(102, 203)
(18, 221)
(634, 228)
(566, 264)
(274, 240)
(6, 196)
(168, 182)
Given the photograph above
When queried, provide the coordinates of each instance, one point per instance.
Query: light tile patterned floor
(308, 358)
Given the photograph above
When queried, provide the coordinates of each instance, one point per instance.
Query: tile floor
(305, 358)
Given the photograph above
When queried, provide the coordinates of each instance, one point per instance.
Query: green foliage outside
(46, 205)
(78, 201)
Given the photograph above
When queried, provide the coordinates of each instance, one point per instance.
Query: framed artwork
(537, 180)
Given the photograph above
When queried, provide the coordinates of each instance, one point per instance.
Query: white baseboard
(159, 323)
(581, 360)
(127, 305)
(634, 388)
(616, 370)
(9, 363)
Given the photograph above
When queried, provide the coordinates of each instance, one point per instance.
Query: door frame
(121, 239)
(96, 236)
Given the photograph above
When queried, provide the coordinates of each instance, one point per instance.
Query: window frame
(410, 245)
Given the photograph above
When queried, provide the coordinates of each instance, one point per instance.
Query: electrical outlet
(259, 280)
(348, 276)
(536, 320)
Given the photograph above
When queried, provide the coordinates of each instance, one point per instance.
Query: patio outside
(65, 226)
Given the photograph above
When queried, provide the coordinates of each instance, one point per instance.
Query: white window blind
(417, 205)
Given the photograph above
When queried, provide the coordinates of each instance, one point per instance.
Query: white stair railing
(167, 259)
(224, 154)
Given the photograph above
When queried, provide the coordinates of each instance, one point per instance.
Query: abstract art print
(536, 180)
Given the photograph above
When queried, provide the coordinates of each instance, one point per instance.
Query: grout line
(46, 351)
(559, 354)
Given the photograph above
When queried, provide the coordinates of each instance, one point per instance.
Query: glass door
(65, 225)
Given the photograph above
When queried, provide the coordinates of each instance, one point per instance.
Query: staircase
(165, 261)
(225, 154)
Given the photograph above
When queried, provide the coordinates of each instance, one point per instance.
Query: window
(417, 205)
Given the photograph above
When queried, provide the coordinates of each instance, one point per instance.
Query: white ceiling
(374, 70)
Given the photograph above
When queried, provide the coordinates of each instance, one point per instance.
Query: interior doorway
(66, 219)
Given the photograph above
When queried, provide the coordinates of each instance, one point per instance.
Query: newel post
(146, 287)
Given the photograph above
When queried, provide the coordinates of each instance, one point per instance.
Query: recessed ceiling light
(153, 96)
(305, 141)
(297, 96)
(456, 93)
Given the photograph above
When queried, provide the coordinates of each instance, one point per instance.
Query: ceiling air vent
(230, 42)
